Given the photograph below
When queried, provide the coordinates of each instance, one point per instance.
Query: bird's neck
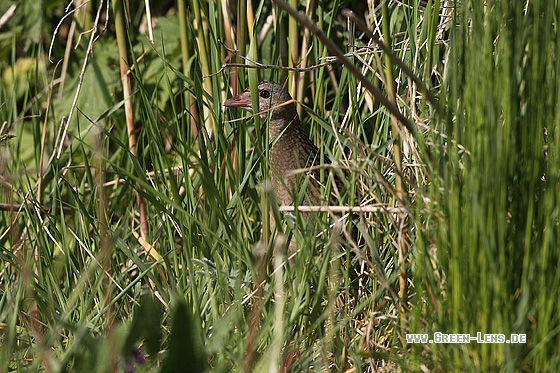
(283, 128)
(287, 138)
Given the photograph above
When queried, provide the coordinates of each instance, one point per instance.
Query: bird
(291, 149)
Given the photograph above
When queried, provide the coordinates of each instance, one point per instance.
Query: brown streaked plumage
(291, 147)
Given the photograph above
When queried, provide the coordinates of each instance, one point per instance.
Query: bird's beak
(240, 101)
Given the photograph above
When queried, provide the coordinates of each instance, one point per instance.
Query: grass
(157, 256)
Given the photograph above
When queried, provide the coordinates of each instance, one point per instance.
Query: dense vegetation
(138, 231)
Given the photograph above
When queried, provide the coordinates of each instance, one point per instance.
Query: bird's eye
(264, 93)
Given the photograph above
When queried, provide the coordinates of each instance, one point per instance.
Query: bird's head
(274, 101)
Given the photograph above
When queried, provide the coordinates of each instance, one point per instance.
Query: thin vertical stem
(190, 101)
(203, 57)
(293, 46)
(397, 155)
(241, 35)
(120, 29)
(303, 57)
